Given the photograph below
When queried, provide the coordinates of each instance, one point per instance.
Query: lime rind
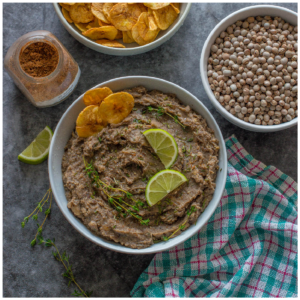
(164, 145)
(161, 184)
(38, 150)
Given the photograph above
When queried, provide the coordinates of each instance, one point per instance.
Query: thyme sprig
(64, 259)
(116, 201)
(160, 111)
(36, 211)
(181, 227)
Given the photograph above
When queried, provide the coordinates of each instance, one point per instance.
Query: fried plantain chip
(81, 13)
(93, 24)
(104, 32)
(141, 31)
(96, 96)
(66, 15)
(65, 6)
(164, 17)
(124, 16)
(176, 7)
(108, 43)
(89, 121)
(100, 22)
(156, 5)
(127, 37)
(119, 35)
(97, 10)
(106, 10)
(69, 3)
(116, 107)
(81, 26)
(88, 130)
(151, 20)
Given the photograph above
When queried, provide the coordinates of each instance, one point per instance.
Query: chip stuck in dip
(106, 174)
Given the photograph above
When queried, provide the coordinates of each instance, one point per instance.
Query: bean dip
(124, 159)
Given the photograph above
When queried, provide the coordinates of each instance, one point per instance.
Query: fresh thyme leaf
(33, 242)
(100, 140)
(190, 140)
(182, 226)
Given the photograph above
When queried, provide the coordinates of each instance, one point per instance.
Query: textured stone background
(33, 272)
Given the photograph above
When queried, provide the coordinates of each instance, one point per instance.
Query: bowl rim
(98, 240)
(215, 102)
(143, 49)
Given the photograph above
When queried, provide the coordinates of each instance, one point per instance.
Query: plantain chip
(156, 5)
(69, 3)
(65, 6)
(93, 24)
(106, 10)
(96, 96)
(151, 20)
(124, 16)
(127, 37)
(164, 17)
(119, 35)
(97, 10)
(108, 43)
(176, 7)
(116, 107)
(141, 31)
(81, 13)
(89, 121)
(81, 26)
(104, 32)
(88, 130)
(66, 15)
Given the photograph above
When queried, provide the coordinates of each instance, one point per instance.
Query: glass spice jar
(42, 68)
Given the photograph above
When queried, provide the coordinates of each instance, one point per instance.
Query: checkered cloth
(248, 248)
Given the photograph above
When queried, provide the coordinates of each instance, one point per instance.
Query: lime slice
(163, 144)
(161, 184)
(38, 150)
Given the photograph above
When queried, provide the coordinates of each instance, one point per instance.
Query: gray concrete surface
(33, 272)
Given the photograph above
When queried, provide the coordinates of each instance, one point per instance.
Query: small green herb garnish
(49, 243)
(64, 259)
(116, 201)
(100, 140)
(190, 140)
(34, 214)
(181, 227)
(160, 111)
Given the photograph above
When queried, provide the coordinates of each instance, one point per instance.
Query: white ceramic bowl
(131, 49)
(63, 133)
(258, 10)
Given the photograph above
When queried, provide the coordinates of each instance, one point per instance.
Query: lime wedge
(163, 144)
(161, 184)
(38, 150)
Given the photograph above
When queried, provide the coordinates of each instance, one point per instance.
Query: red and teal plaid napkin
(248, 248)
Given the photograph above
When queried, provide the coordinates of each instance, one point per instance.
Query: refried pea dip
(124, 159)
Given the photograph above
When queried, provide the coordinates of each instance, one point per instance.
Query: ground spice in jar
(42, 68)
(39, 59)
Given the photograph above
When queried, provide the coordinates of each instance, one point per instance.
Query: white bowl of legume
(66, 127)
(249, 69)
